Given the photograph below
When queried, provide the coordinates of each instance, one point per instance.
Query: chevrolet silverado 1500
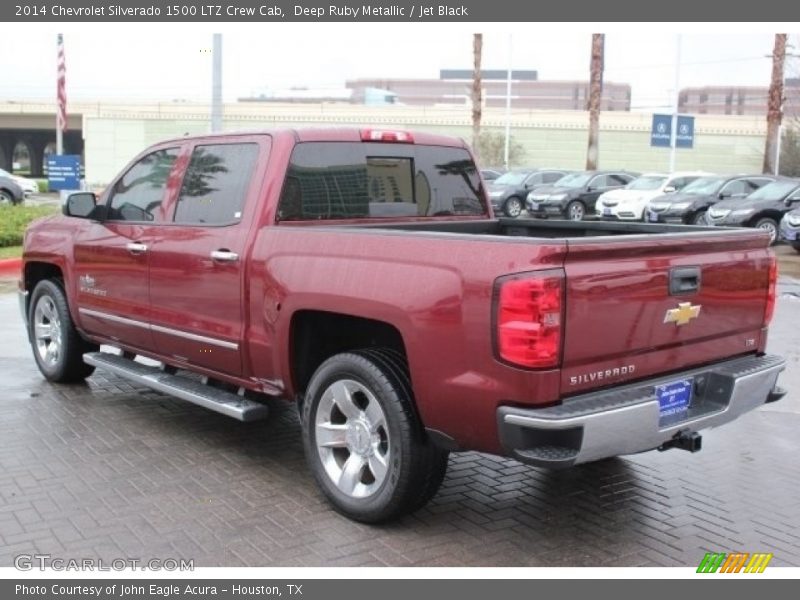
(361, 274)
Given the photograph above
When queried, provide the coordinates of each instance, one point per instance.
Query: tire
(57, 346)
(6, 197)
(513, 207)
(375, 463)
(575, 211)
(770, 226)
(796, 247)
(699, 218)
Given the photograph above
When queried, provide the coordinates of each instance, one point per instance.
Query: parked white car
(28, 186)
(629, 203)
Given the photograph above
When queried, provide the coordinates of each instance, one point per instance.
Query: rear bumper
(626, 419)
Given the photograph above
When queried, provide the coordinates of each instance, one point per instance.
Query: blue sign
(685, 137)
(64, 171)
(661, 133)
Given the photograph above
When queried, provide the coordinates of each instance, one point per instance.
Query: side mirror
(82, 205)
(790, 201)
(669, 189)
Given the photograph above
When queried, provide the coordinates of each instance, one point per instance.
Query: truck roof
(332, 134)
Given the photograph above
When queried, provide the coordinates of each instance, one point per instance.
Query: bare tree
(595, 95)
(775, 103)
(477, 51)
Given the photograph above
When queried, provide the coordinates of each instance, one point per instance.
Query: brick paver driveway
(113, 471)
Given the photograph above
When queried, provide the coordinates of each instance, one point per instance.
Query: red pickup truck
(361, 274)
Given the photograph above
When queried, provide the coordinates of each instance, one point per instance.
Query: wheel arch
(36, 271)
(316, 335)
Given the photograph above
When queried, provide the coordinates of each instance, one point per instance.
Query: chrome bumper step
(184, 388)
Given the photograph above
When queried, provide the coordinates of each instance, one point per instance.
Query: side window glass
(552, 177)
(599, 182)
(734, 187)
(754, 184)
(617, 180)
(680, 182)
(139, 193)
(534, 179)
(215, 185)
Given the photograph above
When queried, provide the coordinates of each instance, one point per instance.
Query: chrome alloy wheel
(770, 228)
(352, 438)
(47, 330)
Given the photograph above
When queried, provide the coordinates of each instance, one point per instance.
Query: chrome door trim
(168, 330)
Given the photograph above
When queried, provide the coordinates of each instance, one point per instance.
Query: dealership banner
(381, 10)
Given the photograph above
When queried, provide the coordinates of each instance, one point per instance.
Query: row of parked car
(767, 202)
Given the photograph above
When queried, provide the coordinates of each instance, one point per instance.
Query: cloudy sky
(167, 62)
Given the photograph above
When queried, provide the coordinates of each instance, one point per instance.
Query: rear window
(342, 180)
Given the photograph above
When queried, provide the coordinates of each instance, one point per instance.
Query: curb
(10, 266)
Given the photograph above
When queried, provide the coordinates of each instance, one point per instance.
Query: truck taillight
(382, 135)
(772, 289)
(528, 319)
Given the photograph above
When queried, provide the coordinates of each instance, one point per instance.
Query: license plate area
(652, 217)
(675, 397)
(606, 212)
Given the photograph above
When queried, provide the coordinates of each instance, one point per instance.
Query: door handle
(136, 247)
(684, 280)
(224, 256)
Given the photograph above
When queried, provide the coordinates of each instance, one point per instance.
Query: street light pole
(216, 83)
(675, 103)
(508, 106)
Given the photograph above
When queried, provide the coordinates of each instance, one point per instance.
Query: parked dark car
(491, 173)
(790, 228)
(762, 209)
(574, 195)
(10, 191)
(507, 193)
(689, 205)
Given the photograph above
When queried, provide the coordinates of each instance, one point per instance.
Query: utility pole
(477, 108)
(775, 106)
(595, 96)
(216, 83)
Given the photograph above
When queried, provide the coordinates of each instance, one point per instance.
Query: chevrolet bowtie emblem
(683, 314)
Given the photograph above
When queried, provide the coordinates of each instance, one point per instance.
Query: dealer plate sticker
(675, 397)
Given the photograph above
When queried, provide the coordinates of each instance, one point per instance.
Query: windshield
(774, 191)
(573, 180)
(512, 178)
(646, 183)
(704, 186)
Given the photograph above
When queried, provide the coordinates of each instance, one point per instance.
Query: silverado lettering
(597, 375)
(362, 275)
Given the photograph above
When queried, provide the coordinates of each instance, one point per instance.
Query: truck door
(112, 256)
(197, 264)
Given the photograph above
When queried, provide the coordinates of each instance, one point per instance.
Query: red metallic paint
(436, 290)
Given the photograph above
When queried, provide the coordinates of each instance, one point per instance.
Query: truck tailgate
(639, 306)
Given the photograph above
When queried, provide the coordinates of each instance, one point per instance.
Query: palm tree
(775, 103)
(477, 51)
(595, 95)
